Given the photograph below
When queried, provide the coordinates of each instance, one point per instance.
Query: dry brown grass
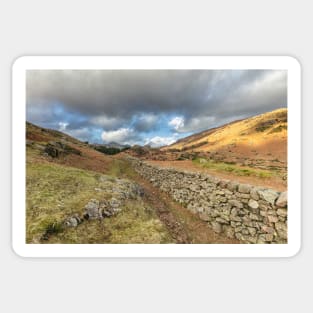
(251, 135)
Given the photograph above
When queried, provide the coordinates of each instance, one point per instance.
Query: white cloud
(177, 122)
(122, 136)
(158, 141)
(62, 126)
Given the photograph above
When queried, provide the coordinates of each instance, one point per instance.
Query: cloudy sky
(154, 107)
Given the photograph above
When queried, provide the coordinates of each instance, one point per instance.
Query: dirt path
(184, 226)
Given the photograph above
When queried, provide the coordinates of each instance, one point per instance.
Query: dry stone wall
(250, 214)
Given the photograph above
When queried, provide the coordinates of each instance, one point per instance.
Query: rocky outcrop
(58, 149)
(120, 190)
(249, 213)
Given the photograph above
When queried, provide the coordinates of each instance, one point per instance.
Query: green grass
(55, 192)
(122, 169)
(137, 223)
(232, 168)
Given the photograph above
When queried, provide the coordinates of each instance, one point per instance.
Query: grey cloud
(146, 122)
(110, 99)
(107, 122)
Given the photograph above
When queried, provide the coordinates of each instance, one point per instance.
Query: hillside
(252, 150)
(263, 136)
(75, 194)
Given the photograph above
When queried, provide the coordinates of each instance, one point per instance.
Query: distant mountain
(110, 148)
(117, 145)
(111, 145)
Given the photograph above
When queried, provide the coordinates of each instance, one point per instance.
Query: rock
(268, 195)
(234, 211)
(73, 221)
(245, 231)
(244, 188)
(92, 209)
(204, 216)
(281, 229)
(272, 218)
(261, 239)
(282, 212)
(263, 213)
(236, 203)
(254, 194)
(243, 195)
(232, 186)
(220, 192)
(269, 237)
(215, 180)
(217, 227)
(265, 238)
(221, 220)
(252, 231)
(265, 206)
(268, 229)
(223, 183)
(57, 149)
(253, 204)
(247, 221)
(235, 218)
(254, 217)
(238, 229)
(282, 200)
(239, 236)
(250, 239)
(229, 231)
(52, 151)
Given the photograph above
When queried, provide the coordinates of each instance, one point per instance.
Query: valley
(83, 193)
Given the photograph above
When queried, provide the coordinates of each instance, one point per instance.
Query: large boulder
(59, 148)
